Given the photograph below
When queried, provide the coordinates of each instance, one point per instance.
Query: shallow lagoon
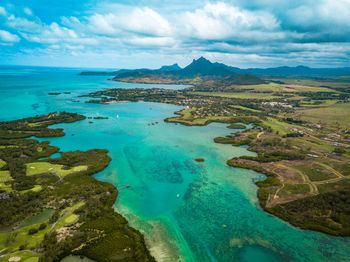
(187, 210)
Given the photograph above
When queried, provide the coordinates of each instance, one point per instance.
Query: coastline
(55, 184)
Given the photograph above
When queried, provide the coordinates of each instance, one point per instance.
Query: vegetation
(55, 207)
(299, 128)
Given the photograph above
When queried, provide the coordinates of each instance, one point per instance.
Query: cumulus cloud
(27, 11)
(221, 21)
(7, 37)
(3, 11)
(259, 31)
(151, 41)
(139, 20)
(327, 20)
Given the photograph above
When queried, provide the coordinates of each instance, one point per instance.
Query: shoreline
(156, 234)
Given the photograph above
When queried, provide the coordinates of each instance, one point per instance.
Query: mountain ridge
(203, 66)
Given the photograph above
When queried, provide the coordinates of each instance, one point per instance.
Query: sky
(138, 34)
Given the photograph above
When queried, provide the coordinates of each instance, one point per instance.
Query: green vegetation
(5, 179)
(328, 212)
(300, 132)
(241, 95)
(43, 216)
(236, 126)
(2, 163)
(51, 207)
(336, 114)
(37, 126)
(294, 189)
(38, 168)
(316, 172)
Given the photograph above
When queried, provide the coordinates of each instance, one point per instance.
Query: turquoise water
(188, 211)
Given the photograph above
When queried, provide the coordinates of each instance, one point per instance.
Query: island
(298, 127)
(53, 207)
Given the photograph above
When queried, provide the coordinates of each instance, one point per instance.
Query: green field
(2, 163)
(187, 118)
(36, 188)
(76, 259)
(341, 167)
(5, 178)
(24, 255)
(243, 95)
(245, 108)
(316, 172)
(295, 189)
(273, 87)
(37, 168)
(337, 114)
(318, 103)
(14, 240)
(70, 219)
(281, 127)
(43, 216)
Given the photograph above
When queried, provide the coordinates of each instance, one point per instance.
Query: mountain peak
(170, 67)
(201, 60)
(203, 66)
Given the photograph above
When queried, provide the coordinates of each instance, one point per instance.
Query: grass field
(338, 83)
(243, 95)
(24, 255)
(337, 114)
(245, 108)
(76, 259)
(316, 172)
(2, 163)
(294, 189)
(5, 177)
(36, 188)
(188, 119)
(343, 168)
(20, 238)
(281, 127)
(37, 168)
(273, 87)
(67, 216)
(70, 219)
(42, 217)
(318, 103)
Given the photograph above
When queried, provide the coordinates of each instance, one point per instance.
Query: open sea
(188, 211)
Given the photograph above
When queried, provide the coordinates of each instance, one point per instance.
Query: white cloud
(27, 11)
(139, 20)
(23, 24)
(151, 41)
(103, 24)
(146, 21)
(221, 21)
(3, 11)
(7, 37)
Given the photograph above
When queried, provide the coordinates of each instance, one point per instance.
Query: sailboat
(117, 116)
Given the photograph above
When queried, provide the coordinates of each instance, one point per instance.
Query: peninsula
(53, 207)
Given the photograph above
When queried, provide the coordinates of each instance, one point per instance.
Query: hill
(203, 67)
(199, 71)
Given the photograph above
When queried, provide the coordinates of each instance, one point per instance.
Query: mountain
(199, 71)
(203, 67)
(207, 70)
(240, 79)
(170, 68)
(297, 71)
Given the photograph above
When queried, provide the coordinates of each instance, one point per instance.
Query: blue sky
(133, 34)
